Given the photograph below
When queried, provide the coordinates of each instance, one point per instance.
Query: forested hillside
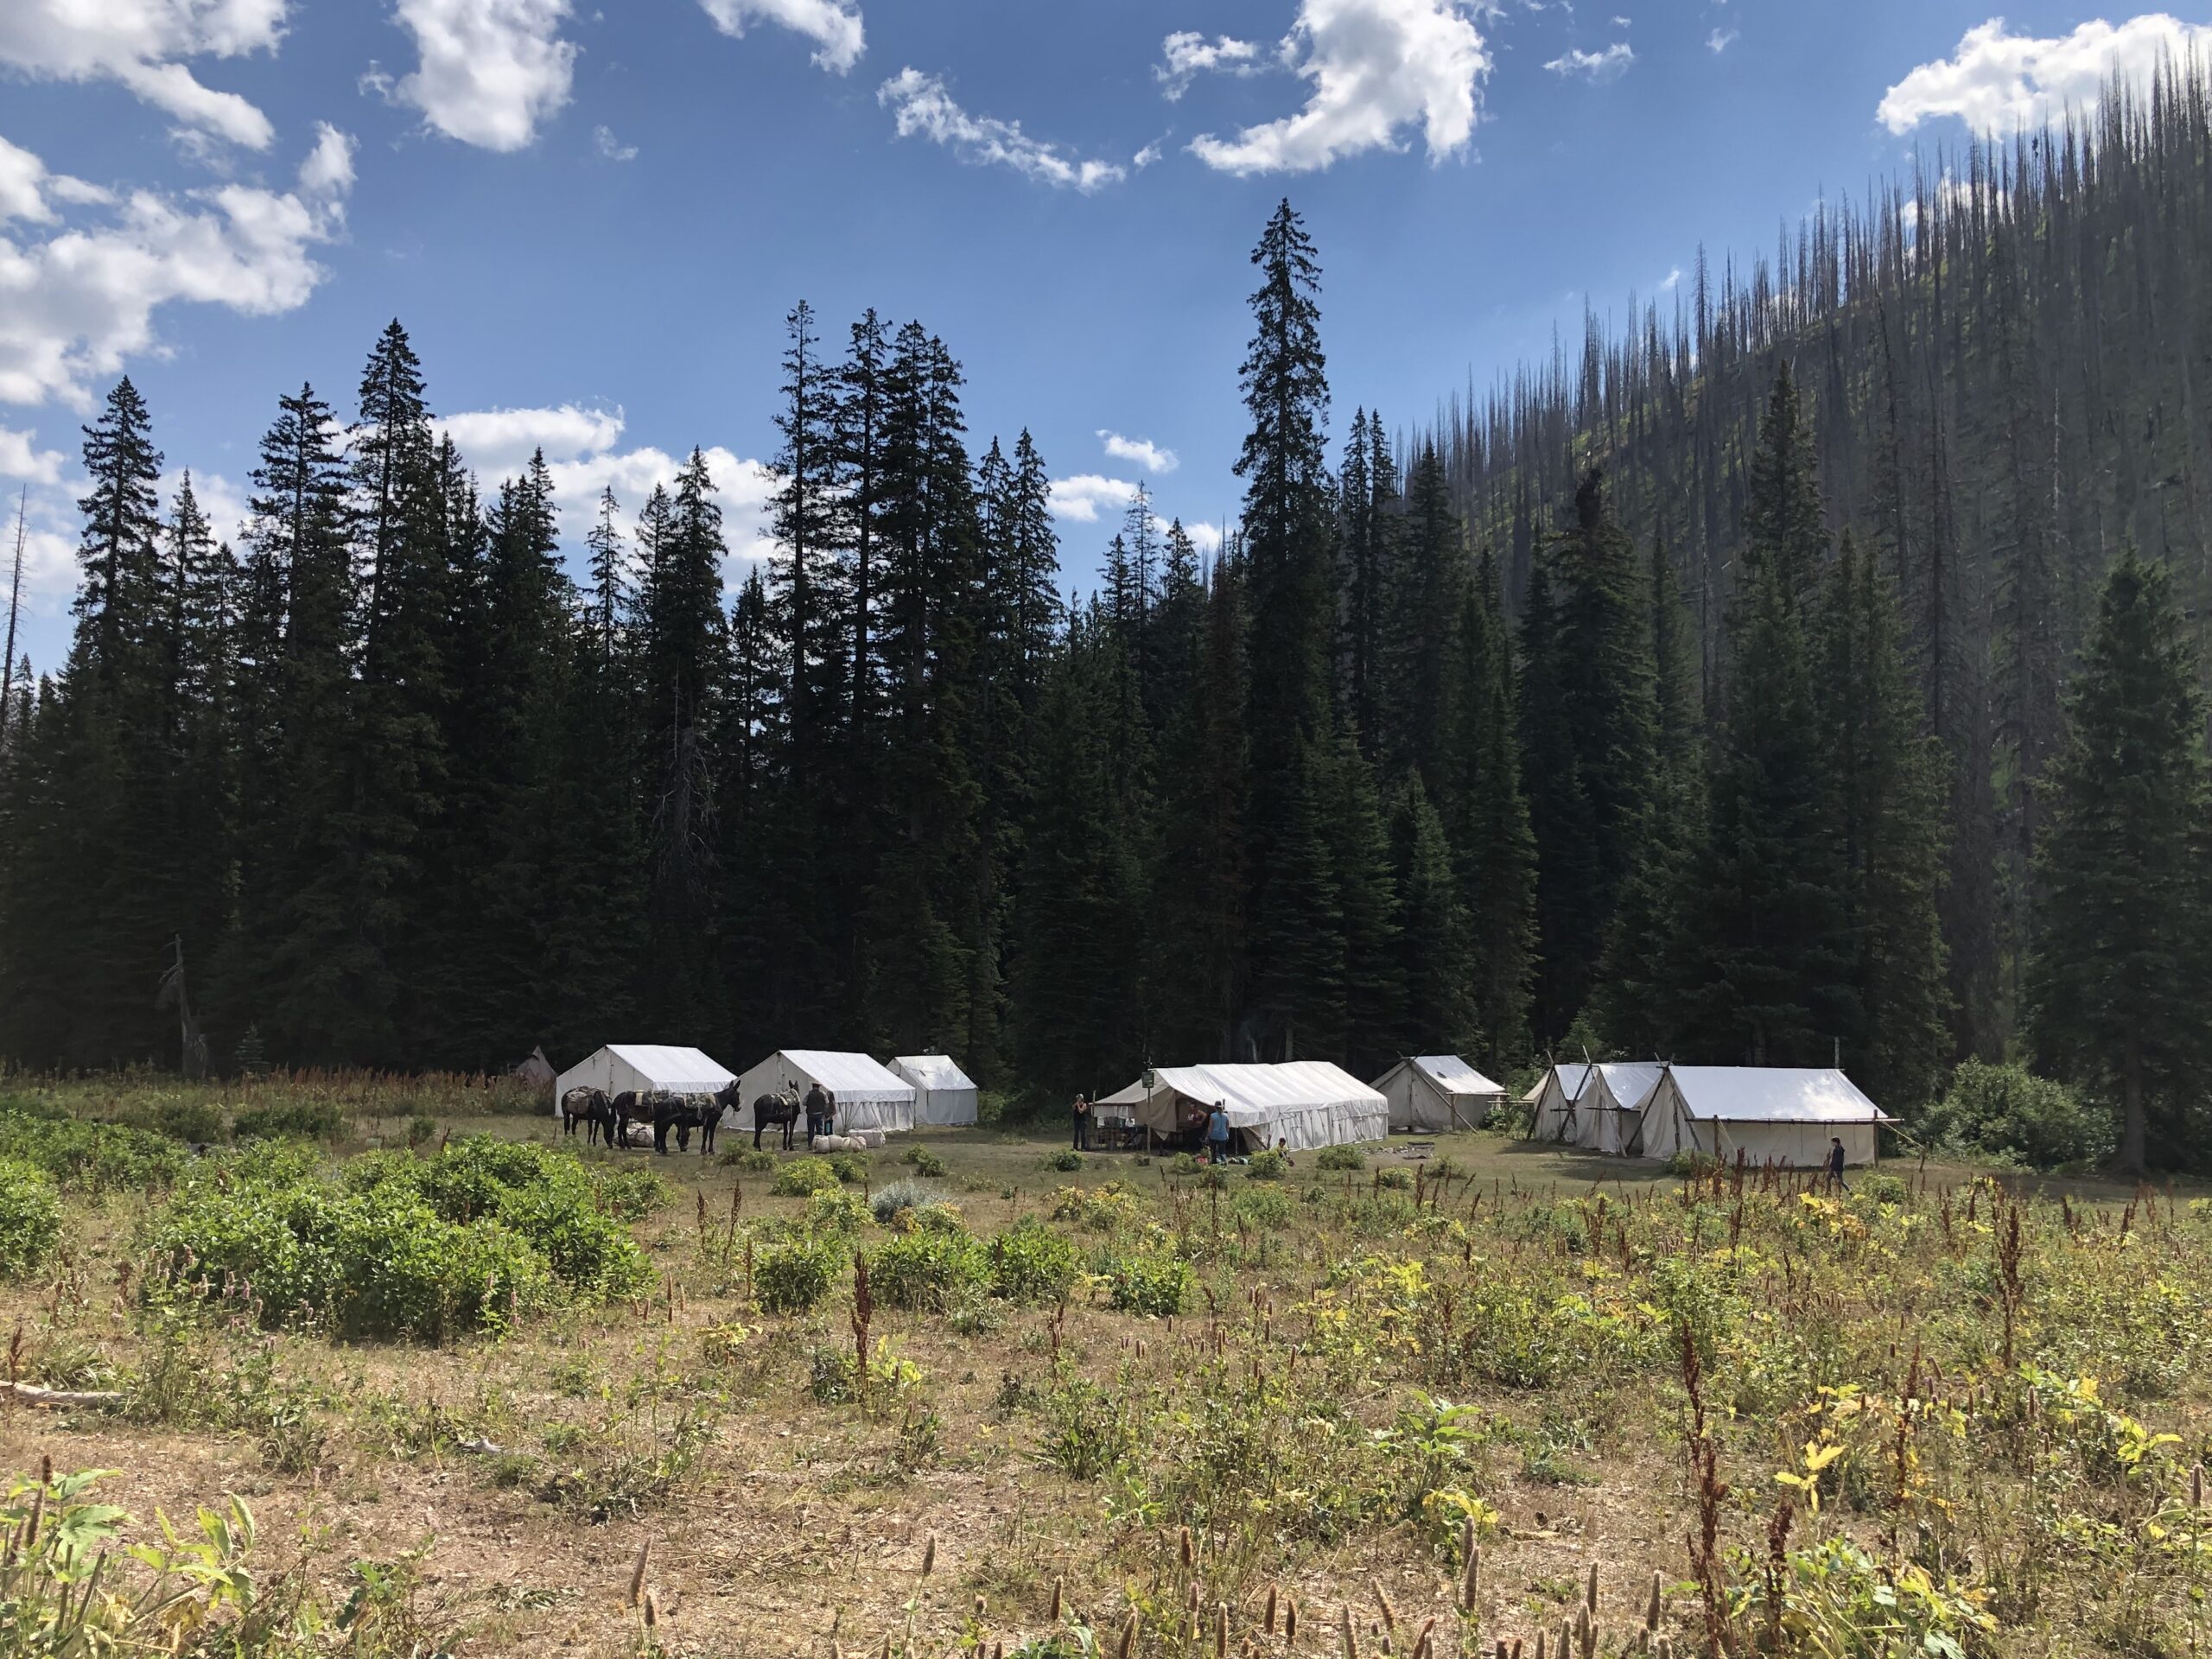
(1707, 696)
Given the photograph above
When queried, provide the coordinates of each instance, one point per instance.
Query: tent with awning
(1783, 1116)
(943, 1093)
(1305, 1104)
(866, 1093)
(1434, 1094)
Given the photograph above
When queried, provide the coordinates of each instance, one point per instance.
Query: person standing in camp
(818, 1112)
(1836, 1162)
(1082, 1114)
(1217, 1134)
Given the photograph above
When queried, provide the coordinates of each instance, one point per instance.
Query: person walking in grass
(1217, 1134)
(1836, 1162)
(1082, 1114)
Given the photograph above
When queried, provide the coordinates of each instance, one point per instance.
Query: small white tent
(943, 1092)
(1555, 1096)
(1306, 1102)
(1434, 1094)
(645, 1067)
(1610, 1110)
(867, 1095)
(1783, 1116)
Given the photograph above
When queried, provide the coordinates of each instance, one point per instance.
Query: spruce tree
(2120, 975)
(1485, 811)
(1886, 797)
(1287, 527)
(1440, 972)
(1424, 604)
(1767, 965)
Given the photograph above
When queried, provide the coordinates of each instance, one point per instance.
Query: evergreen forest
(1809, 668)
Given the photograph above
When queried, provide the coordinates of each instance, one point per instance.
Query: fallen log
(31, 1394)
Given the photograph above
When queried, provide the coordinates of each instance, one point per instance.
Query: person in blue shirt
(1217, 1134)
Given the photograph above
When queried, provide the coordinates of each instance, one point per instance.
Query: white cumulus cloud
(1720, 40)
(834, 28)
(1186, 56)
(1609, 65)
(1375, 67)
(1142, 452)
(488, 72)
(611, 147)
(21, 458)
(1080, 497)
(143, 45)
(583, 456)
(925, 109)
(2000, 82)
(78, 299)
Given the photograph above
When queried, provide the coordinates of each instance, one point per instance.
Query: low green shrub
(1395, 1181)
(1262, 1207)
(796, 1275)
(1031, 1264)
(928, 1272)
(850, 1167)
(287, 1119)
(802, 1176)
(30, 1217)
(374, 1262)
(93, 1157)
(1266, 1164)
(196, 1122)
(631, 1191)
(2007, 1111)
(836, 1213)
(1066, 1158)
(420, 1128)
(925, 1162)
(1880, 1188)
(1339, 1158)
(889, 1201)
(1154, 1285)
(756, 1161)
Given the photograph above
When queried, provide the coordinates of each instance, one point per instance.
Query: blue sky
(594, 219)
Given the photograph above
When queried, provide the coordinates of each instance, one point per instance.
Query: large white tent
(645, 1067)
(1555, 1097)
(943, 1092)
(1783, 1116)
(1434, 1094)
(1610, 1110)
(868, 1095)
(1306, 1102)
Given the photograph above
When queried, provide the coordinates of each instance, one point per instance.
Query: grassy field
(1116, 1408)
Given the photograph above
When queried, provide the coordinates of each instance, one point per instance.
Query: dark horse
(769, 1110)
(627, 1108)
(684, 1113)
(591, 1107)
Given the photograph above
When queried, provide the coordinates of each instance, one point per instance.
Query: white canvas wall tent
(944, 1094)
(1306, 1102)
(645, 1067)
(1783, 1116)
(1554, 1119)
(1610, 1111)
(1435, 1093)
(868, 1095)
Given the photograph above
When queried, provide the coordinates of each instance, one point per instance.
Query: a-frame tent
(1435, 1093)
(1610, 1111)
(1555, 1095)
